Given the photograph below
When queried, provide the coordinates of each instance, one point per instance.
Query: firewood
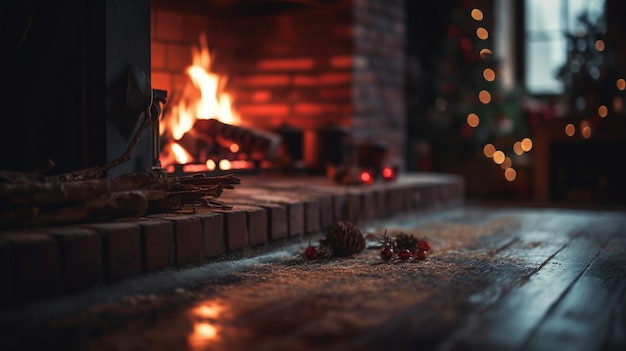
(36, 192)
(32, 201)
(260, 144)
(107, 207)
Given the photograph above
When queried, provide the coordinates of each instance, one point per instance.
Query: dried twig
(32, 201)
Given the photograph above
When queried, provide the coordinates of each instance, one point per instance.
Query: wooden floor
(496, 279)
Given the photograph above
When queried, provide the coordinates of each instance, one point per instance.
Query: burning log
(32, 201)
(258, 144)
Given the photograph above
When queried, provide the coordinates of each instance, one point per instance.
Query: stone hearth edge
(268, 211)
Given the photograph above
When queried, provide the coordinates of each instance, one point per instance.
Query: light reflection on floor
(206, 329)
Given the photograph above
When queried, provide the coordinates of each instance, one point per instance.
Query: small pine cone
(406, 241)
(344, 238)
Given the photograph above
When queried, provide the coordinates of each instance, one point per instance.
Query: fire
(203, 98)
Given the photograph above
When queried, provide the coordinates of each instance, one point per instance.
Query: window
(546, 22)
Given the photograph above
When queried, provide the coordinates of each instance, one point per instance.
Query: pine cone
(406, 241)
(345, 239)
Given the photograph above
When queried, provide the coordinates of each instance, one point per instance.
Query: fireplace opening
(279, 85)
(201, 131)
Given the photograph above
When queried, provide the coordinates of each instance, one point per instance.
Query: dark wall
(42, 47)
(61, 92)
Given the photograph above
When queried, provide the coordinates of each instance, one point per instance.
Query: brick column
(378, 67)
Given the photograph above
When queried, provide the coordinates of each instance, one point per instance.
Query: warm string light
(505, 162)
(484, 96)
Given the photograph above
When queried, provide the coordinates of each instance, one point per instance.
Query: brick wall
(338, 62)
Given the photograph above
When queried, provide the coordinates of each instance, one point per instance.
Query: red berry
(310, 253)
(420, 255)
(423, 245)
(404, 254)
(386, 253)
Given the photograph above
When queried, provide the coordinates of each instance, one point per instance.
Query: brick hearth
(267, 212)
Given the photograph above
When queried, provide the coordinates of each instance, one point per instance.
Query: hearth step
(267, 212)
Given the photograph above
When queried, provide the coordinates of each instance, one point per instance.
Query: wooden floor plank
(507, 324)
(585, 318)
(531, 244)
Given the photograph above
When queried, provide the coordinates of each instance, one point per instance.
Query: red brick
(308, 108)
(294, 209)
(369, 208)
(157, 244)
(187, 239)
(343, 61)
(305, 80)
(396, 200)
(382, 210)
(81, 252)
(235, 229)
(295, 215)
(179, 81)
(277, 223)
(37, 265)
(157, 55)
(265, 80)
(336, 93)
(311, 217)
(326, 212)
(168, 25)
(324, 79)
(340, 207)
(294, 64)
(416, 198)
(261, 95)
(178, 57)
(354, 208)
(213, 234)
(162, 81)
(256, 220)
(264, 109)
(121, 248)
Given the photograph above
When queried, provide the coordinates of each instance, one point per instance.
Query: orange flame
(203, 98)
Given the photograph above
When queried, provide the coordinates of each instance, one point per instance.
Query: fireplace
(325, 76)
(80, 78)
(320, 80)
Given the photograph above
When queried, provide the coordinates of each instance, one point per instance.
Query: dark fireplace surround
(79, 74)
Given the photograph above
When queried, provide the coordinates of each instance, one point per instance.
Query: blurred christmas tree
(469, 108)
(594, 85)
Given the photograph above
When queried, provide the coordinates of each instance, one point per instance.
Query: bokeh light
(488, 150)
(482, 33)
(477, 14)
(510, 174)
(600, 45)
(484, 96)
(507, 163)
(527, 144)
(618, 104)
(489, 74)
(473, 120)
(585, 129)
(498, 157)
(570, 130)
(484, 53)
